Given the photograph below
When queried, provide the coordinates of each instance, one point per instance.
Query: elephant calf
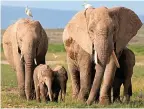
(48, 82)
(59, 84)
(123, 76)
(43, 76)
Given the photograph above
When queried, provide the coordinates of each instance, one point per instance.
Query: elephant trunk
(103, 50)
(28, 52)
(28, 75)
(50, 92)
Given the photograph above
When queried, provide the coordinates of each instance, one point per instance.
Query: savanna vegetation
(9, 91)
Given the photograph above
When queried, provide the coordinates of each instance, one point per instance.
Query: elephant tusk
(115, 59)
(95, 57)
(21, 57)
(35, 61)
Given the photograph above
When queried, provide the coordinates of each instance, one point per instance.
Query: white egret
(54, 55)
(86, 5)
(28, 12)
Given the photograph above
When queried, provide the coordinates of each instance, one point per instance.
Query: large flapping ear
(14, 38)
(77, 29)
(128, 25)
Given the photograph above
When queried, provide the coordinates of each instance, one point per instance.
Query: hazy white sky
(137, 6)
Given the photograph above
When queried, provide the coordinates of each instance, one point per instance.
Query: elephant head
(61, 77)
(106, 31)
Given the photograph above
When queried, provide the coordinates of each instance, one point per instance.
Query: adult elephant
(102, 33)
(25, 45)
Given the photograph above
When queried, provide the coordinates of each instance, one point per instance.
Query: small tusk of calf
(115, 59)
(21, 57)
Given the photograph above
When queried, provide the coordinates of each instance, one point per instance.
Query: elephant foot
(22, 94)
(126, 99)
(117, 100)
(38, 100)
(91, 100)
(88, 102)
(74, 96)
(81, 98)
(30, 96)
(104, 100)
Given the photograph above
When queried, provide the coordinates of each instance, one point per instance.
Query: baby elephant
(43, 78)
(59, 83)
(55, 80)
(123, 76)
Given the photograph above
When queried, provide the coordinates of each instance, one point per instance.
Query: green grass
(51, 48)
(137, 49)
(9, 94)
(56, 48)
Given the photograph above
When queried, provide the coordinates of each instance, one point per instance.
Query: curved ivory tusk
(115, 59)
(95, 57)
(21, 57)
(35, 61)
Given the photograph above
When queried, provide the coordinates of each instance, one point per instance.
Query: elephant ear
(14, 37)
(77, 29)
(17, 31)
(128, 25)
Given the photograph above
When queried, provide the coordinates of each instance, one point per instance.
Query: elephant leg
(37, 89)
(85, 78)
(130, 90)
(75, 78)
(42, 92)
(126, 96)
(107, 82)
(20, 75)
(127, 85)
(97, 96)
(56, 94)
(33, 95)
(116, 89)
(9, 54)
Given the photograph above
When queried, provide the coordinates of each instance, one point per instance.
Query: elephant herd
(98, 60)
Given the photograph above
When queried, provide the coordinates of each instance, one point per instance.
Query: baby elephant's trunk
(50, 93)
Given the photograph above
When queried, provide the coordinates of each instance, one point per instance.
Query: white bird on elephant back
(28, 12)
(86, 5)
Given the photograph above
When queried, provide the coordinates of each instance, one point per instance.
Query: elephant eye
(114, 29)
(91, 30)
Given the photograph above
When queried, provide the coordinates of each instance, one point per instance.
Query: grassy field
(9, 93)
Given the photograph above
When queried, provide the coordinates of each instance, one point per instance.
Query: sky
(137, 6)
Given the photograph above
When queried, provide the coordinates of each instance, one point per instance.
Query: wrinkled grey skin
(23, 42)
(59, 84)
(43, 80)
(123, 76)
